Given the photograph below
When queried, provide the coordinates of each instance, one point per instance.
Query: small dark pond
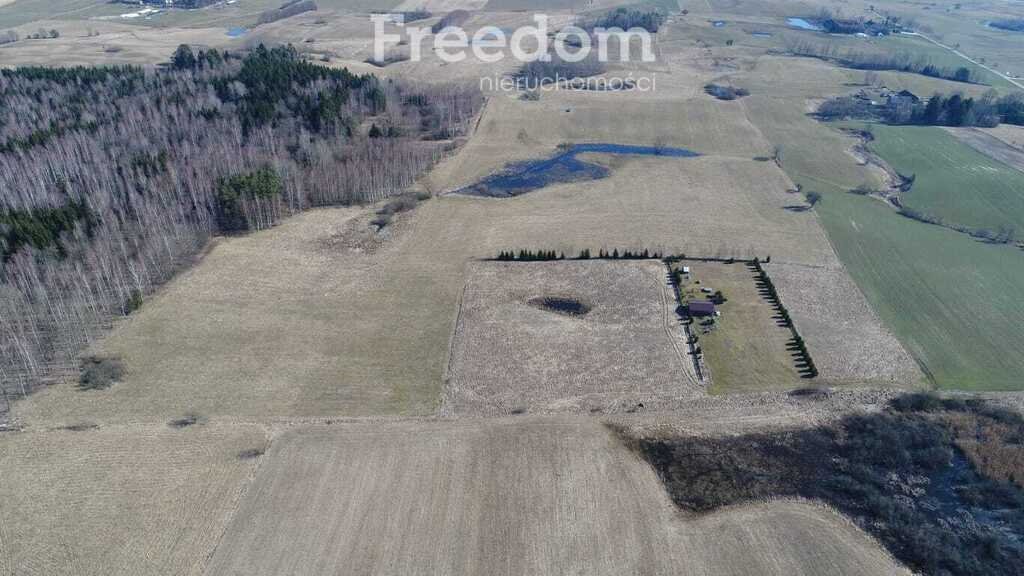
(522, 177)
(561, 305)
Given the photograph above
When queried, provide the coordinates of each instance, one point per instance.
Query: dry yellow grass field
(113, 43)
(139, 500)
(507, 496)
(279, 324)
(1012, 135)
(511, 354)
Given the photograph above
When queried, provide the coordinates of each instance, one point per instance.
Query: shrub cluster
(1004, 234)
(899, 474)
(626, 18)
(453, 18)
(398, 204)
(726, 92)
(286, 10)
(98, 373)
(1011, 25)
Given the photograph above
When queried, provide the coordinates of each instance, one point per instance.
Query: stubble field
(507, 496)
(129, 501)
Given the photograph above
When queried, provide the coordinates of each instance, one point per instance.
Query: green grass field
(954, 181)
(953, 301)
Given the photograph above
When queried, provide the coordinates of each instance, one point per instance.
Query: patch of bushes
(99, 373)
(626, 18)
(561, 305)
(250, 453)
(392, 57)
(287, 10)
(185, 421)
(453, 18)
(539, 73)
(900, 474)
(1005, 234)
(725, 92)
(81, 427)
(397, 205)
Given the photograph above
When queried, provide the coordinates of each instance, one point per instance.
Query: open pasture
(521, 345)
(524, 495)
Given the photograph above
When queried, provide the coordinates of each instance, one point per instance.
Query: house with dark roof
(701, 308)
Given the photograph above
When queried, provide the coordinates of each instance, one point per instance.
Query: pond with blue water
(522, 177)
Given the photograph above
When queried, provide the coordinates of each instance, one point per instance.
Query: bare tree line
(143, 152)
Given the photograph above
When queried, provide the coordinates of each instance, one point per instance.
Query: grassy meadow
(954, 181)
(952, 300)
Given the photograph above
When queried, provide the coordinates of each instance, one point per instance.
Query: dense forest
(113, 178)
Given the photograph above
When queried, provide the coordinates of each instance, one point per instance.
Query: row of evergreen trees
(766, 282)
(585, 254)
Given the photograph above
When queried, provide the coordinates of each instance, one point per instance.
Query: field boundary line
(243, 490)
(454, 333)
(666, 314)
(933, 384)
(702, 377)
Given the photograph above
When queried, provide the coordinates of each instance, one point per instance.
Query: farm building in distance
(701, 308)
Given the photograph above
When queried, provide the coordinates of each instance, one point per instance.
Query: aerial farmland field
(506, 496)
(258, 313)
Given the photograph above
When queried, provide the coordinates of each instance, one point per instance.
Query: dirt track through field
(536, 496)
